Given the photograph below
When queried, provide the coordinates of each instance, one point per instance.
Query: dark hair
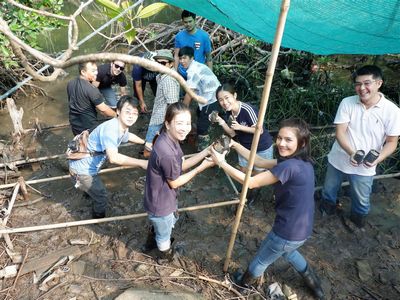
(83, 66)
(227, 87)
(127, 99)
(303, 134)
(172, 111)
(189, 51)
(375, 71)
(187, 14)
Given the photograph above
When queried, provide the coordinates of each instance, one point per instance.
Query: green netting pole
(263, 107)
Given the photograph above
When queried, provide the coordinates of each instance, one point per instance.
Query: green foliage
(316, 103)
(27, 25)
(127, 22)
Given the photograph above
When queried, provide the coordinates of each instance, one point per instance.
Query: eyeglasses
(367, 84)
(162, 62)
(119, 67)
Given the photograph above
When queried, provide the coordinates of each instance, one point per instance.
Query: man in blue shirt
(103, 143)
(195, 38)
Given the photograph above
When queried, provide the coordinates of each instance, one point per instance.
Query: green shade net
(321, 27)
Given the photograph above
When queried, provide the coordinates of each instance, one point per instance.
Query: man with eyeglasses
(108, 75)
(367, 121)
(103, 143)
(167, 93)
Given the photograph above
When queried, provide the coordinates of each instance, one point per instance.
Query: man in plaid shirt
(167, 93)
(203, 81)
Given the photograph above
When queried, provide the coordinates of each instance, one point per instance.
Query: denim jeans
(274, 247)
(360, 189)
(163, 229)
(94, 187)
(110, 97)
(267, 154)
(151, 132)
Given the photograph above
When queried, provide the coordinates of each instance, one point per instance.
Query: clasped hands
(215, 157)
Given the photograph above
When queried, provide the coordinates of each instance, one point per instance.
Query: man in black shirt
(84, 98)
(108, 75)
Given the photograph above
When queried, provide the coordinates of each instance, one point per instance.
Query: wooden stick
(16, 116)
(22, 187)
(256, 137)
(110, 219)
(232, 183)
(59, 126)
(228, 287)
(27, 203)
(5, 220)
(18, 273)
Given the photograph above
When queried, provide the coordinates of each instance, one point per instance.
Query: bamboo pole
(51, 127)
(34, 181)
(31, 160)
(263, 107)
(110, 219)
(38, 159)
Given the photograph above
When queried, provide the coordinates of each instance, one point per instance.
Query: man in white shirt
(367, 121)
(203, 82)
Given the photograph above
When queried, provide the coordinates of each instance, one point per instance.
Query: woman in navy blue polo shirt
(244, 117)
(164, 176)
(292, 175)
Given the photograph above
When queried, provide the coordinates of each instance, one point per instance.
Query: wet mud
(352, 263)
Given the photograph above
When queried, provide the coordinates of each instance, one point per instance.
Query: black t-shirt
(106, 79)
(83, 98)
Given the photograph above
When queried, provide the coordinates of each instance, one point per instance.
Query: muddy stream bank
(352, 263)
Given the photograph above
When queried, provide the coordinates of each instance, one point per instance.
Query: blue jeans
(152, 131)
(163, 229)
(110, 97)
(360, 189)
(267, 154)
(274, 247)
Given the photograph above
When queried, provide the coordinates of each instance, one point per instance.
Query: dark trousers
(202, 117)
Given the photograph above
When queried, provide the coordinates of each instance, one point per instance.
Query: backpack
(77, 148)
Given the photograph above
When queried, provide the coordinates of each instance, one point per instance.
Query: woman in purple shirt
(164, 176)
(292, 175)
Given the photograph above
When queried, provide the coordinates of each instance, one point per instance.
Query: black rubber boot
(98, 215)
(312, 281)
(358, 219)
(249, 280)
(151, 243)
(166, 256)
(326, 207)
